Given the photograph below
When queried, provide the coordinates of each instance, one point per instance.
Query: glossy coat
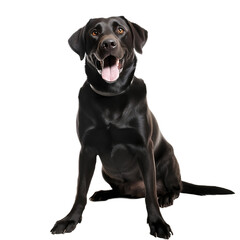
(115, 123)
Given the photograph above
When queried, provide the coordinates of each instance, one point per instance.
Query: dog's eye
(120, 30)
(94, 32)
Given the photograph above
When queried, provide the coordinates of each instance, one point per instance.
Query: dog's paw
(64, 226)
(167, 200)
(103, 195)
(160, 229)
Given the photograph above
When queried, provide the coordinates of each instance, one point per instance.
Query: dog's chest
(118, 150)
(105, 122)
(105, 137)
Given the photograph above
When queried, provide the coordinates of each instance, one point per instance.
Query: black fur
(203, 190)
(115, 123)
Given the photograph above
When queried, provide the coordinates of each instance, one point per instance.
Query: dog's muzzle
(111, 68)
(108, 59)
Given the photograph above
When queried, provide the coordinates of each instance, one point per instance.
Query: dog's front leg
(87, 161)
(158, 227)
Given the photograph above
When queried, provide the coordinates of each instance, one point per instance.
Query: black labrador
(115, 123)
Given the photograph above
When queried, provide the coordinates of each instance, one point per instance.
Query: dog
(115, 123)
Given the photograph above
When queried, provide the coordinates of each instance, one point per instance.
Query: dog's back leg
(104, 195)
(119, 190)
(168, 175)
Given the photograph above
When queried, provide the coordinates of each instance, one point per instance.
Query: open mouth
(110, 68)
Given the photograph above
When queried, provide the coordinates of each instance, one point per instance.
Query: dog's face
(109, 45)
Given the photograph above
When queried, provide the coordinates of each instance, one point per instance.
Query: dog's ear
(77, 42)
(139, 34)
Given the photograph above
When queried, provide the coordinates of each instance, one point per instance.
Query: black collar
(107, 94)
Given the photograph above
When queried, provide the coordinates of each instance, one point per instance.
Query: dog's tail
(203, 190)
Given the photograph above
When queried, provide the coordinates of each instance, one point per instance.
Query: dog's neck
(108, 94)
(99, 86)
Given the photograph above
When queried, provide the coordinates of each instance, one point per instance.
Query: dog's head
(109, 45)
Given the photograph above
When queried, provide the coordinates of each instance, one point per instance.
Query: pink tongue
(110, 74)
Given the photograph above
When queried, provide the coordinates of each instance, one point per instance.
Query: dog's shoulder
(84, 91)
(139, 88)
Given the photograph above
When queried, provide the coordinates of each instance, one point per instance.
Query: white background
(191, 67)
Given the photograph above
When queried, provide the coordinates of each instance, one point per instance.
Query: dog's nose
(109, 44)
